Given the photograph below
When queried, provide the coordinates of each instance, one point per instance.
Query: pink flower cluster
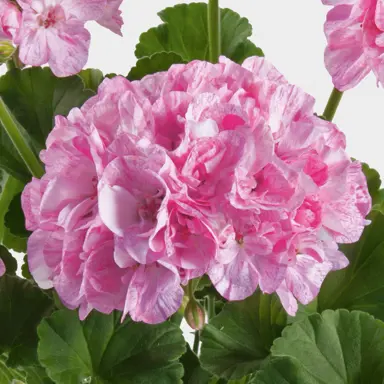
(54, 31)
(215, 169)
(355, 34)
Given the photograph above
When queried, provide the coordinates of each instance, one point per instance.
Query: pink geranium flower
(10, 18)
(355, 35)
(215, 169)
(54, 32)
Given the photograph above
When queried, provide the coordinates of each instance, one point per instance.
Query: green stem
(11, 65)
(196, 342)
(214, 33)
(333, 103)
(211, 306)
(10, 126)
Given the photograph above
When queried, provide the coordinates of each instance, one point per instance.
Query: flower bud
(195, 315)
(6, 51)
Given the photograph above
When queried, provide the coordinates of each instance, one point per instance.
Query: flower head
(216, 169)
(355, 35)
(54, 31)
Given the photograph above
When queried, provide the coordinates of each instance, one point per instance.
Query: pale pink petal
(30, 202)
(104, 288)
(305, 277)
(154, 294)
(111, 17)
(10, 19)
(85, 9)
(346, 216)
(236, 280)
(44, 255)
(287, 299)
(263, 69)
(33, 48)
(379, 14)
(118, 208)
(68, 48)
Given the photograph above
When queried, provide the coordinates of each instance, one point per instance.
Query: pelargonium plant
(201, 186)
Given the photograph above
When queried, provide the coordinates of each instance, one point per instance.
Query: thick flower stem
(333, 103)
(10, 126)
(211, 307)
(214, 33)
(10, 65)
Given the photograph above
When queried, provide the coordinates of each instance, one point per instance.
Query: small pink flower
(10, 18)
(355, 34)
(54, 32)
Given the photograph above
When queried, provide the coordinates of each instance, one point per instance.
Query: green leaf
(35, 96)
(244, 50)
(185, 32)
(303, 311)
(193, 373)
(14, 219)
(9, 261)
(8, 374)
(337, 347)
(37, 375)
(9, 187)
(361, 285)
(238, 340)
(92, 78)
(25, 269)
(284, 370)
(157, 62)
(106, 351)
(22, 306)
(374, 183)
(373, 179)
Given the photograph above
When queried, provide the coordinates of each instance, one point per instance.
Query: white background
(291, 34)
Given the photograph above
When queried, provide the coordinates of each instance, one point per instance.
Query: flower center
(49, 19)
(239, 238)
(149, 208)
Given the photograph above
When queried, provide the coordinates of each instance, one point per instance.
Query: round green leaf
(193, 373)
(9, 261)
(158, 62)
(9, 187)
(360, 286)
(35, 96)
(22, 306)
(14, 219)
(103, 350)
(284, 370)
(337, 347)
(185, 32)
(92, 78)
(238, 340)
